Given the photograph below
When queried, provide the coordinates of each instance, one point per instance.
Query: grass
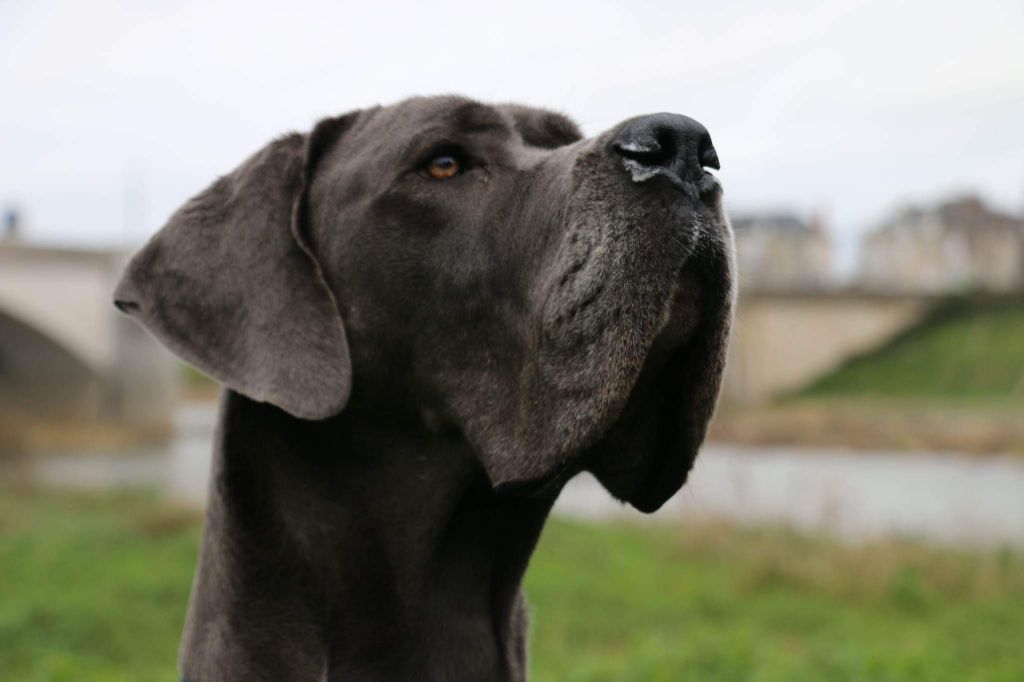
(965, 349)
(720, 604)
(93, 588)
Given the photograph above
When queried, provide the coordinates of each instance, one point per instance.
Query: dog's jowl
(428, 317)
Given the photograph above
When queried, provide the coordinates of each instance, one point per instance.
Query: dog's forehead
(417, 114)
(534, 126)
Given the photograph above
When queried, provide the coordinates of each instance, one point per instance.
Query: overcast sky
(112, 114)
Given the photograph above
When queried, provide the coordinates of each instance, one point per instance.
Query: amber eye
(443, 167)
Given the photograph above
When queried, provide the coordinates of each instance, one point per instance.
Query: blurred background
(858, 513)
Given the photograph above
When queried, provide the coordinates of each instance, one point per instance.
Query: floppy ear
(230, 285)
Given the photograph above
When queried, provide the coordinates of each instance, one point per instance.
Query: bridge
(784, 339)
(65, 351)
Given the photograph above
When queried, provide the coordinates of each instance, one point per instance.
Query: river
(943, 498)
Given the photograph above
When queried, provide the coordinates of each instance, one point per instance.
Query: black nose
(666, 143)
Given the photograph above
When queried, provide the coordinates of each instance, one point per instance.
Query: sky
(114, 113)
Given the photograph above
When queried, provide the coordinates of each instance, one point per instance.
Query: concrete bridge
(64, 348)
(783, 339)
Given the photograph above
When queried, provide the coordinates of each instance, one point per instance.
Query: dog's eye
(442, 167)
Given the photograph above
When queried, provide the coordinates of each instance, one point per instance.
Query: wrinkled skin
(414, 368)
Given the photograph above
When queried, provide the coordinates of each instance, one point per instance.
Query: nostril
(126, 307)
(653, 156)
(651, 148)
(707, 154)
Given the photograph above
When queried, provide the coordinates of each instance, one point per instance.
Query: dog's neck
(355, 550)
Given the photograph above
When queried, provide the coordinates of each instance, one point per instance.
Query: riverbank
(971, 427)
(30, 435)
(968, 427)
(705, 601)
(944, 497)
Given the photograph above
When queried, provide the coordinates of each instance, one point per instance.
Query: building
(10, 225)
(779, 251)
(957, 245)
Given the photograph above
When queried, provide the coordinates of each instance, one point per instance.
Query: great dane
(427, 317)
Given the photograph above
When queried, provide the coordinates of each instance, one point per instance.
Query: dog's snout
(664, 143)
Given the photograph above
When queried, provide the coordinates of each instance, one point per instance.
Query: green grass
(721, 604)
(965, 349)
(94, 588)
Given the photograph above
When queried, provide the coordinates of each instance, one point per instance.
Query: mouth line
(664, 377)
(681, 313)
(668, 465)
(658, 401)
(682, 383)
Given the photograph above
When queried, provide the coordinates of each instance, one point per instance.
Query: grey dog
(428, 317)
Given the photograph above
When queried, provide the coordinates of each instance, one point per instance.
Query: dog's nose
(666, 143)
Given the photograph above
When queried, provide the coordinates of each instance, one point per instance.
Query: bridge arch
(41, 376)
(64, 349)
(65, 295)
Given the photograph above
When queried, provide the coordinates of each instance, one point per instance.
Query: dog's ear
(230, 285)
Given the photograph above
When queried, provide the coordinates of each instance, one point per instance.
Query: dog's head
(562, 302)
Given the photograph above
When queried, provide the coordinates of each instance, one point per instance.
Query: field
(93, 588)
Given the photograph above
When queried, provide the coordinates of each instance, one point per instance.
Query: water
(940, 497)
(180, 468)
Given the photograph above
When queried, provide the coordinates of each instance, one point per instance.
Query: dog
(427, 317)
